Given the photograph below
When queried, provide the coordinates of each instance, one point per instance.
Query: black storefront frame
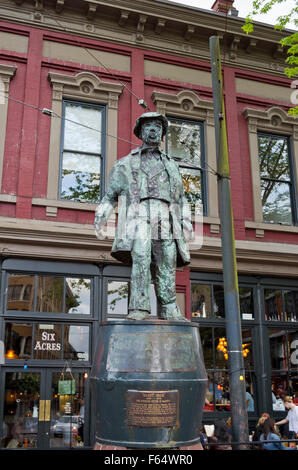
(67, 269)
(259, 327)
(100, 273)
(44, 432)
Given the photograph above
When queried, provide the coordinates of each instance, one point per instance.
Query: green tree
(290, 42)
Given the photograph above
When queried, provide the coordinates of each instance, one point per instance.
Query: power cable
(51, 113)
(141, 101)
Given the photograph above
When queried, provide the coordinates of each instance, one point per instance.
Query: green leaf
(293, 112)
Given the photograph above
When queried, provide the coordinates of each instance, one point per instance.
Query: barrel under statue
(148, 379)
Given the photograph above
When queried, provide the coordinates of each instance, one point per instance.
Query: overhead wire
(141, 101)
(53, 114)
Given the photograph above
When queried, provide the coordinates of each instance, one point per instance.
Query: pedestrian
(291, 418)
(259, 429)
(270, 437)
(249, 400)
(221, 438)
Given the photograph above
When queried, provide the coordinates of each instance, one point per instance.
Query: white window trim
(275, 121)
(7, 72)
(87, 87)
(187, 105)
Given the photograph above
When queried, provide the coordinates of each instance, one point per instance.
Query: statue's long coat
(124, 184)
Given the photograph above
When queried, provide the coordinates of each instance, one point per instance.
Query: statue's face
(151, 131)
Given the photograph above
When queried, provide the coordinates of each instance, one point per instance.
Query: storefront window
(49, 294)
(201, 300)
(284, 361)
(46, 341)
(291, 305)
(117, 299)
(246, 303)
(20, 292)
(76, 342)
(221, 356)
(67, 409)
(52, 294)
(273, 304)
(21, 405)
(202, 305)
(47, 344)
(18, 341)
(77, 295)
(207, 346)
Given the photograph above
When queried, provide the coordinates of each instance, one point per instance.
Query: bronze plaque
(152, 408)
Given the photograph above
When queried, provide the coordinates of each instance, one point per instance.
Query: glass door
(68, 420)
(43, 409)
(22, 413)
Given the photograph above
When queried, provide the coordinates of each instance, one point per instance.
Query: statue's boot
(137, 315)
(171, 312)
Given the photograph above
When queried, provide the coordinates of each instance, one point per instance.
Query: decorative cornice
(274, 118)
(143, 21)
(85, 83)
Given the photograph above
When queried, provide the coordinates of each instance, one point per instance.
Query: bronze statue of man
(154, 222)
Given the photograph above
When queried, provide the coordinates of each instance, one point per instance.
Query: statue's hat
(151, 115)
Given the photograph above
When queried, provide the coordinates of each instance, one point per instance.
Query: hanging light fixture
(222, 346)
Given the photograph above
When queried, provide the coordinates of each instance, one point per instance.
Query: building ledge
(261, 228)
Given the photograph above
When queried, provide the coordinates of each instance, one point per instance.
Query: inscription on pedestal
(152, 408)
(151, 352)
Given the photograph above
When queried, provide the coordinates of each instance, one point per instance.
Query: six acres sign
(47, 342)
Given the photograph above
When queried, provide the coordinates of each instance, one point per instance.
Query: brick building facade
(99, 64)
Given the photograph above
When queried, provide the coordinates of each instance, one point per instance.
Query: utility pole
(231, 292)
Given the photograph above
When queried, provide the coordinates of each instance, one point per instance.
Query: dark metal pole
(231, 293)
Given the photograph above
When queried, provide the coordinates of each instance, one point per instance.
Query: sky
(244, 7)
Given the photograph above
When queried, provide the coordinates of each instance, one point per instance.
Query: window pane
(184, 142)
(219, 301)
(78, 137)
(47, 342)
(67, 409)
(80, 177)
(279, 388)
(20, 294)
(247, 348)
(76, 342)
(218, 388)
(276, 201)
(293, 349)
(278, 349)
(77, 295)
(220, 341)
(246, 303)
(274, 157)
(273, 304)
(207, 346)
(118, 292)
(49, 294)
(18, 341)
(20, 411)
(117, 298)
(249, 394)
(192, 186)
(201, 300)
(291, 305)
